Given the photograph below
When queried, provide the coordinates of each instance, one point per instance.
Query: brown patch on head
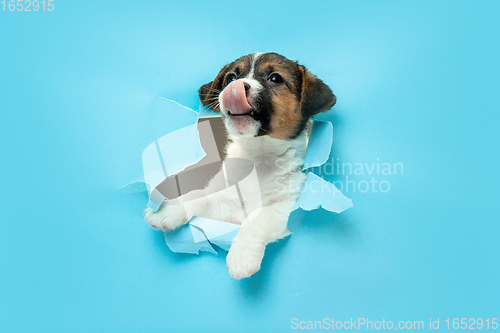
(296, 97)
(288, 94)
(316, 96)
(281, 95)
(209, 93)
(286, 117)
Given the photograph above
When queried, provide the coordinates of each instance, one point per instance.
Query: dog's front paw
(244, 259)
(168, 217)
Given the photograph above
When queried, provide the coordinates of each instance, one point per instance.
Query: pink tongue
(234, 98)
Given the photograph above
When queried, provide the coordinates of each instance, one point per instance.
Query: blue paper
(187, 239)
(319, 145)
(171, 154)
(217, 232)
(167, 156)
(137, 186)
(317, 193)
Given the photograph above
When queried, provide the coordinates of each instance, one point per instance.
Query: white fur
(251, 127)
(255, 56)
(278, 165)
(268, 201)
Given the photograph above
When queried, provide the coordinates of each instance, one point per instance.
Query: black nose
(247, 86)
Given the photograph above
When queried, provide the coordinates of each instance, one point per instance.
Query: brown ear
(209, 92)
(316, 96)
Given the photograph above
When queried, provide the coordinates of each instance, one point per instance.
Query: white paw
(167, 217)
(244, 259)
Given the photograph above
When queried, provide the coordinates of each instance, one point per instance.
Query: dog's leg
(170, 215)
(222, 206)
(261, 227)
(174, 213)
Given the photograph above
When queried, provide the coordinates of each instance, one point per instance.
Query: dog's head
(266, 94)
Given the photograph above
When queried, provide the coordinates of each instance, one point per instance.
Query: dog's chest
(278, 165)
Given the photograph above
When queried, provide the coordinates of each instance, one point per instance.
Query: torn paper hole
(172, 170)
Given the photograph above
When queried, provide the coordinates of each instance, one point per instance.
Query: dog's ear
(209, 92)
(316, 96)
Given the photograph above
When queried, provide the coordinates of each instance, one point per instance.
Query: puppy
(265, 101)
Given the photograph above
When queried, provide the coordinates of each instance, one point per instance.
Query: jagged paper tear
(165, 157)
(317, 192)
(319, 145)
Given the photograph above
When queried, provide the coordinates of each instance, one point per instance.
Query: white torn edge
(185, 107)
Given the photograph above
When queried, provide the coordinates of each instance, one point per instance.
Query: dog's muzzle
(234, 99)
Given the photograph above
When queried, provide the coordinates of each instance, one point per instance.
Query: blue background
(417, 83)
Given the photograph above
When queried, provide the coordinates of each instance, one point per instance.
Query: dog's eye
(275, 78)
(230, 78)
